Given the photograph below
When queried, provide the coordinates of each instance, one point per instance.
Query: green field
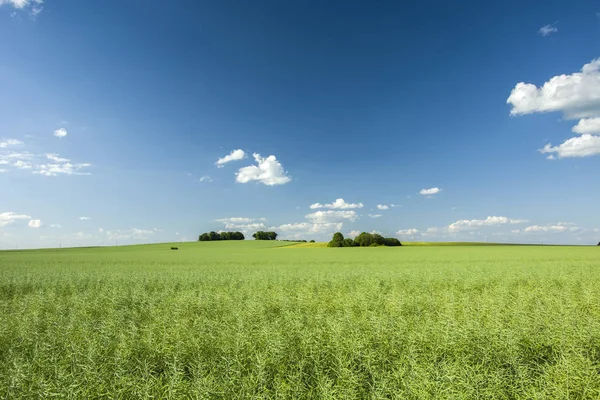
(233, 320)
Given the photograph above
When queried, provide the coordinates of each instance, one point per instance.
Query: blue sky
(468, 121)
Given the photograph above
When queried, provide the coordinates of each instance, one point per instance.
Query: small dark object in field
(598, 243)
(174, 248)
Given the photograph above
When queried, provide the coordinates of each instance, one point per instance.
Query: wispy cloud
(547, 30)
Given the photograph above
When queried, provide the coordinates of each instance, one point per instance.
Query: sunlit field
(258, 319)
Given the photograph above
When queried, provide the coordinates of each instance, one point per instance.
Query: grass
(247, 320)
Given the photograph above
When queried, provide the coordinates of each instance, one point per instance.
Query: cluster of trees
(205, 237)
(294, 240)
(261, 235)
(363, 240)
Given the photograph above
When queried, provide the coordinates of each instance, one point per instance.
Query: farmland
(254, 319)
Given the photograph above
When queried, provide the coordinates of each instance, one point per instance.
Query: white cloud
(245, 227)
(375, 215)
(308, 227)
(430, 192)
(3, 170)
(353, 234)
(331, 216)
(579, 146)
(9, 142)
(60, 133)
(547, 30)
(61, 169)
(575, 95)
(55, 157)
(205, 178)
(236, 220)
(337, 204)
(235, 155)
(383, 207)
(408, 232)
(587, 125)
(474, 223)
(23, 164)
(33, 6)
(7, 218)
(84, 218)
(557, 228)
(35, 223)
(268, 171)
(242, 223)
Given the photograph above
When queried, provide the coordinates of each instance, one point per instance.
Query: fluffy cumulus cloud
(375, 215)
(383, 207)
(267, 171)
(35, 223)
(576, 96)
(580, 146)
(235, 155)
(587, 125)
(408, 232)
(430, 192)
(547, 30)
(205, 178)
(84, 218)
(337, 204)
(7, 218)
(60, 133)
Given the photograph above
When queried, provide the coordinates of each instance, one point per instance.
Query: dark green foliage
(337, 240)
(205, 237)
(312, 241)
(363, 240)
(378, 239)
(392, 242)
(261, 235)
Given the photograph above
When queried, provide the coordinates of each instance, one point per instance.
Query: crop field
(237, 320)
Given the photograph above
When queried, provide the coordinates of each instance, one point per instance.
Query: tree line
(363, 240)
(261, 235)
(205, 237)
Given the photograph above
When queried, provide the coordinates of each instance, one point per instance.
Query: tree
(214, 235)
(312, 241)
(261, 235)
(237, 236)
(364, 240)
(348, 242)
(392, 242)
(204, 237)
(337, 240)
(378, 239)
